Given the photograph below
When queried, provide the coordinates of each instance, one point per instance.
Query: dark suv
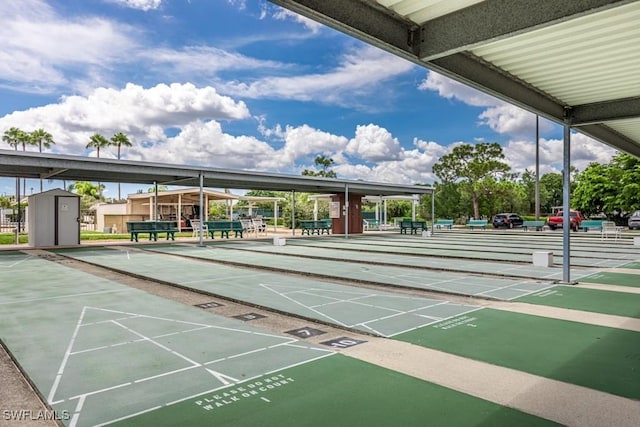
(507, 220)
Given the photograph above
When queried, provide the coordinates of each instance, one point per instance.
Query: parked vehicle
(634, 221)
(575, 217)
(507, 220)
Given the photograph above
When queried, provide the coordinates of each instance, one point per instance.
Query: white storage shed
(54, 219)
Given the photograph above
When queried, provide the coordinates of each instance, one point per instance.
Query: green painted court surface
(335, 391)
(600, 358)
(610, 278)
(594, 300)
(85, 341)
(106, 353)
(399, 275)
(379, 312)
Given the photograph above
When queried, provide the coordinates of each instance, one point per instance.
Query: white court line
(213, 390)
(26, 257)
(65, 358)
(224, 328)
(222, 278)
(303, 305)
(66, 296)
(525, 292)
(435, 321)
(412, 311)
(162, 346)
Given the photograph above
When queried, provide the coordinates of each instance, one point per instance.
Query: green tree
(613, 188)
(471, 165)
(551, 185)
(626, 170)
(324, 164)
(89, 193)
(120, 140)
(41, 138)
(15, 137)
(594, 191)
(97, 141)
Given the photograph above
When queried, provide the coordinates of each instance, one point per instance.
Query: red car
(575, 218)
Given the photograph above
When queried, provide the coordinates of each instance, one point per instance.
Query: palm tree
(13, 137)
(98, 141)
(41, 138)
(120, 140)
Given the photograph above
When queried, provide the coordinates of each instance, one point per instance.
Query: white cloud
(373, 143)
(204, 143)
(39, 48)
(144, 5)
(451, 89)
(305, 141)
(360, 72)
(521, 154)
(141, 113)
(288, 15)
(205, 60)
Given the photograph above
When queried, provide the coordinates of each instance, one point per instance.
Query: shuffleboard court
(523, 270)
(595, 300)
(336, 391)
(377, 312)
(612, 278)
(597, 357)
(449, 282)
(631, 265)
(480, 250)
(99, 351)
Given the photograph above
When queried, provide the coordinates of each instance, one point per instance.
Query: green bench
(224, 227)
(479, 223)
(444, 223)
(591, 224)
(318, 227)
(153, 228)
(413, 226)
(538, 225)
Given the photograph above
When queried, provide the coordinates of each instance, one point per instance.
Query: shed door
(67, 221)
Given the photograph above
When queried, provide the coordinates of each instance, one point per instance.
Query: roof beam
(52, 172)
(599, 112)
(361, 19)
(611, 138)
(493, 20)
(474, 72)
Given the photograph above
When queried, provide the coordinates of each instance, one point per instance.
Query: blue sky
(244, 84)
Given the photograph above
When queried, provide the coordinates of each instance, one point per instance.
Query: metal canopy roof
(75, 168)
(575, 62)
